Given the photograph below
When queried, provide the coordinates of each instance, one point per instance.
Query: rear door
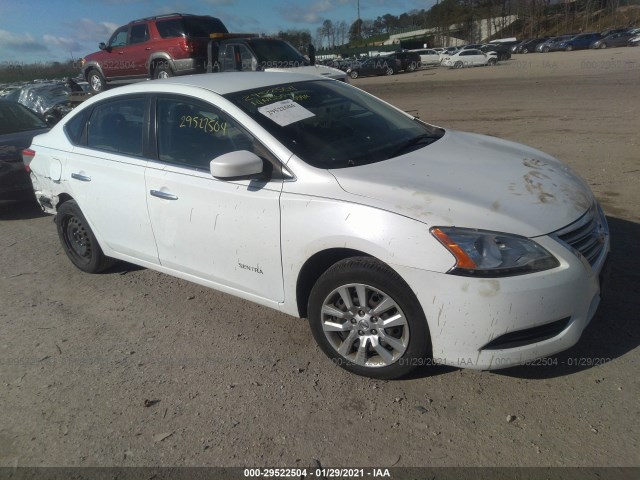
(106, 176)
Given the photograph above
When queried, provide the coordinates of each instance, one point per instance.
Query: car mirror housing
(102, 46)
(237, 164)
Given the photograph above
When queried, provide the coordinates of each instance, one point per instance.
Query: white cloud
(68, 44)
(90, 30)
(16, 43)
(306, 14)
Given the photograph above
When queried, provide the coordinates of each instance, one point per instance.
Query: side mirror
(236, 164)
(102, 46)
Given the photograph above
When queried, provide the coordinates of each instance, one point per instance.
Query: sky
(33, 31)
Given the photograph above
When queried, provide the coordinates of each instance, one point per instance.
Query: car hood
(473, 181)
(321, 70)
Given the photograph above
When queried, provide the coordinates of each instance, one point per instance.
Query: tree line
(534, 15)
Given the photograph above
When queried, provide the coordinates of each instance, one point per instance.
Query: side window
(191, 134)
(117, 126)
(139, 33)
(119, 38)
(74, 128)
(239, 57)
(249, 63)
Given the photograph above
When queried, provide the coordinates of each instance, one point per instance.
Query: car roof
(220, 83)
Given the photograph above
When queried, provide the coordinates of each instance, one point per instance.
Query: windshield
(274, 53)
(16, 118)
(330, 124)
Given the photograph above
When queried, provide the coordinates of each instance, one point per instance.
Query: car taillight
(188, 45)
(27, 156)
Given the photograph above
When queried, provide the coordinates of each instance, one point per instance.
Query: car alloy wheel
(491, 62)
(458, 65)
(545, 50)
(96, 81)
(525, 50)
(366, 319)
(389, 71)
(162, 71)
(569, 48)
(603, 45)
(353, 74)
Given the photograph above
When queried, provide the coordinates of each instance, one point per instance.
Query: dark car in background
(18, 126)
(530, 45)
(620, 39)
(153, 47)
(503, 51)
(382, 65)
(545, 46)
(578, 42)
(407, 61)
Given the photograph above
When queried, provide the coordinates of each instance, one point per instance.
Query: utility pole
(359, 22)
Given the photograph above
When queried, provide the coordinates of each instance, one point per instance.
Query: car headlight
(481, 253)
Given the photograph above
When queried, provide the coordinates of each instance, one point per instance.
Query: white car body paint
(469, 58)
(320, 70)
(252, 242)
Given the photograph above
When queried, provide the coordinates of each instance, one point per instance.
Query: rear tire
(353, 74)
(366, 318)
(545, 50)
(162, 71)
(569, 48)
(78, 241)
(492, 62)
(603, 45)
(389, 71)
(458, 65)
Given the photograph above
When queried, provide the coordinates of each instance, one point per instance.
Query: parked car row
(619, 37)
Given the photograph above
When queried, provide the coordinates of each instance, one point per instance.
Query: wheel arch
(157, 59)
(314, 267)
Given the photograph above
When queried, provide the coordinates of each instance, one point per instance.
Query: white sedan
(428, 56)
(469, 58)
(399, 240)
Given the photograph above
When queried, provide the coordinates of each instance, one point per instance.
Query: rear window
(16, 118)
(190, 27)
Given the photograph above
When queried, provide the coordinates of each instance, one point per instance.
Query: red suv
(154, 47)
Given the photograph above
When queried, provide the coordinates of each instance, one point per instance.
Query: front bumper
(496, 323)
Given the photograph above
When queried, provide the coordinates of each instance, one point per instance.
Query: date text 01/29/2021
(317, 472)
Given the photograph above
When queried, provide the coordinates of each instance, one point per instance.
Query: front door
(227, 232)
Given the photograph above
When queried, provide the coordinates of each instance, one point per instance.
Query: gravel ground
(135, 368)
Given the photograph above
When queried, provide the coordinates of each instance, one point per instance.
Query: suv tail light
(27, 156)
(189, 46)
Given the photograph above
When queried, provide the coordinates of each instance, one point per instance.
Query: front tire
(78, 241)
(353, 74)
(458, 65)
(365, 317)
(569, 48)
(603, 45)
(97, 83)
(492, 62)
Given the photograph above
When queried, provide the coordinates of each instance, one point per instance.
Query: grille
(587, 236)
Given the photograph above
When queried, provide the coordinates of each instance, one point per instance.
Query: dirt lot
(233, 384)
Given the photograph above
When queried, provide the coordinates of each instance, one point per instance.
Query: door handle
(163, 195)
(82, 178)
(148, 48)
